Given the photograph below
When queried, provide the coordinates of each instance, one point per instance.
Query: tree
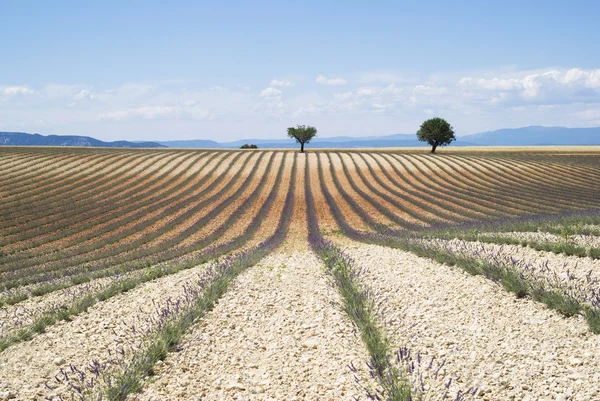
(436, 132)
(302, 134)
(246, 146)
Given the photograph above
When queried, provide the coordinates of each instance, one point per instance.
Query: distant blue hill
(23, 139)
(536, 135)
(526, 136)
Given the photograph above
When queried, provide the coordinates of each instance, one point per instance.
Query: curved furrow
(328, 223)
(434, 187)
(416, 200)
(143, 304)
(12, 167)
(551, 179)
(23, 188)
(138, 205)
(46, 179)
(526, 183)
(104, 252)
(516, 185)
(56, 188)
(417, 218)
(569, 166)
(95, 208)
(351, 201)
(480, 185)
(483, 179)
(62, 204)
(468, 195)
(443, 206)
(376, 210)
(198, 250)
(34, 164)
(133, 250)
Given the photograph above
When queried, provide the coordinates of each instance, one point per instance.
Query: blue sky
(151, 70)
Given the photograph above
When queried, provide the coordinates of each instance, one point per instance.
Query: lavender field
(159, 274)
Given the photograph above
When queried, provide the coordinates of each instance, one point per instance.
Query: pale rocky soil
(278, 333)
(25, 367)
(587, 241)
(582, 275)
(24, 313)
(513, 349)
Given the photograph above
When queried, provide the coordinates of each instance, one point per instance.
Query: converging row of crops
(383, 273)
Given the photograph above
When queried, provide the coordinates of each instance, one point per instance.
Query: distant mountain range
(23, 139)
(526, 136)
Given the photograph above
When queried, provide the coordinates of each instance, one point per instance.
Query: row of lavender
(567, 296)
(401, 375)
(128, 276)
(126, 367)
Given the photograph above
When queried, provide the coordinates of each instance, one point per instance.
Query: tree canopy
(302, 134)
(436, 132)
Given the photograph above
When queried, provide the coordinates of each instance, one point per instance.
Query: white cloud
(282, 83)
(270, 92)
(552, 86)
(323, 80)
(17, 90)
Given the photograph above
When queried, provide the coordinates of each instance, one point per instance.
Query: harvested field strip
(381, 204)
(433, 188)
(395, 206)
(451, 183)
(311, 167)
(173, 253)
(138, 196)
(126, 167)
(26, 167)
(128, 283)
(418, 199)
(46, 211)
(545, 180)
(350, 203)
(61, 190)
(481, 185)
(336, 170)
(578, 175)
(520, 185)
(487, 180)
(95, 219)
(507, 347)
(73, 170)
(65, 174)
(110, 256)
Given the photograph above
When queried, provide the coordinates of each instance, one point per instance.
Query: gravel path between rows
(513, 349)
(277, 334)
(581, 275)
(587, 241)
(25, 312)
(25, 367)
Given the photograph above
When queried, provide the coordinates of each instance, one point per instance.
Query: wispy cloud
(473, 101)
(270, 92)
(323, 80)
(282, 83)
